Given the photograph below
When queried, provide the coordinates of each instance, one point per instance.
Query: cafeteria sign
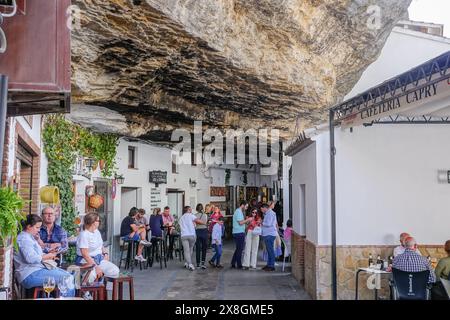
(407, 100)
(158, 177)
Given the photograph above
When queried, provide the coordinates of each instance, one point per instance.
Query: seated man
(129, 230)
(401, 248)
(411, 261)
(52, 237)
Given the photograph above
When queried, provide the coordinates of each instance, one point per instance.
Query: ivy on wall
(63, 142)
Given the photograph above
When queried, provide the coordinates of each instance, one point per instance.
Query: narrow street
(175, 282)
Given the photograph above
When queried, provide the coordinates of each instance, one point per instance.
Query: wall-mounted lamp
(119, 179)
(89, 163)
(192, 183)
(444, 176)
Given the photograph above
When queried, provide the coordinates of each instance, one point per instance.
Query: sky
(436, 11)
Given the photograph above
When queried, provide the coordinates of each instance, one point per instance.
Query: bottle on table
(370, 260)
(379, 262)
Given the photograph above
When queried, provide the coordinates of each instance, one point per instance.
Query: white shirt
(187, 224)
(90, 240)
(401, 249)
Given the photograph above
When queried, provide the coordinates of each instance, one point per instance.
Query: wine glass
(49, 285)
(63, 285)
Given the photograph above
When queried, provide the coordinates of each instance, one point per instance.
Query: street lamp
(193, 183)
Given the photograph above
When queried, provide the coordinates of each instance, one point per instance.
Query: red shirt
(252, 225)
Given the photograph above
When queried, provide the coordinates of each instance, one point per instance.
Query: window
(132, 158)
(174, 164)
(193, 158)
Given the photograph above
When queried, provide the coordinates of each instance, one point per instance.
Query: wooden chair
(118, 286)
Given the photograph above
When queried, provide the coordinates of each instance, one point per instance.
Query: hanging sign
(405, 100)
(158, 177)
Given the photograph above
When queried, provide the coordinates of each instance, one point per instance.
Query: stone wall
(310, 269)
(349, 259)
(317, 268)
(298, 257)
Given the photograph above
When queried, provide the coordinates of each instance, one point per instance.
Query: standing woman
(188, 235)
(90, 250)
(252, 240)
(29, 270)
(201, 231)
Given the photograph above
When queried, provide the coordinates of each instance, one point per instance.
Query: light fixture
(89, 163)
(119, 179)
(192, 183)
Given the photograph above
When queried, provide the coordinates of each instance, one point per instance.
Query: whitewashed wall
(304, 172)
(386, 183)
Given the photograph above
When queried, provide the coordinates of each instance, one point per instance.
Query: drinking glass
(63, 285)
(49, 285)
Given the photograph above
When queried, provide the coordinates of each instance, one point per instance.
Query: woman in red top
(252, 240)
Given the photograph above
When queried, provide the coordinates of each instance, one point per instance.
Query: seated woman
(90, 250)
(29, 269)
(442, 271)
(156, 224)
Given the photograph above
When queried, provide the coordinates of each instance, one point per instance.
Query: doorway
(128, 200)
(105, 211)
(176, 200)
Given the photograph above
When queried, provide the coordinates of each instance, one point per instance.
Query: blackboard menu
(158, 177)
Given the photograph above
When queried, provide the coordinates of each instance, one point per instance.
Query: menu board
(155, 198)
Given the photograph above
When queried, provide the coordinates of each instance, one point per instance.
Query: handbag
(256, 231)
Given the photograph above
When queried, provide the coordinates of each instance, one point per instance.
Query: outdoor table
(378, 272)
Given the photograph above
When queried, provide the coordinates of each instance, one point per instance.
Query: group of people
(42, 241)
(407, 257)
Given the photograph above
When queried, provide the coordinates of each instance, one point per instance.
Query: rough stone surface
(229, 63)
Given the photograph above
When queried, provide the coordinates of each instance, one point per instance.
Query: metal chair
(410, 285)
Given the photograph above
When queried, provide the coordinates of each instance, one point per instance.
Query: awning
(420, 95)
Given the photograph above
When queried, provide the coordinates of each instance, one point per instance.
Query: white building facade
(386, 182)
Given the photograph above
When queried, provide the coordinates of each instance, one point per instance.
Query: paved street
(175, 282)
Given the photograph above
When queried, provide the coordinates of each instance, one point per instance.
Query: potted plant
(11, 216)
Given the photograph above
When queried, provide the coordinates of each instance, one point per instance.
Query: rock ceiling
(144, 70)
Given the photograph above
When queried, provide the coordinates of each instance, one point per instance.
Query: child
(217, 244)
(287, 237)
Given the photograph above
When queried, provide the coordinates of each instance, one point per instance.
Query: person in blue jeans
(28, 259)
(216, 239)
(239, 223)
(269, 233)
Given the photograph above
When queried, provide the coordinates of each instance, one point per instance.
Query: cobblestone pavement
(175, 282)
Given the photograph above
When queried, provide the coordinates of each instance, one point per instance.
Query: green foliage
(11, 217)
(63, 142)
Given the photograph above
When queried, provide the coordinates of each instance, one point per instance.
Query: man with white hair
(411, 261)
(401, 248)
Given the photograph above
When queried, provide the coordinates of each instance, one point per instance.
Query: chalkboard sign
(158, 177)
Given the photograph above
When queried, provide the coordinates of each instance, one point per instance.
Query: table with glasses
(373, 271)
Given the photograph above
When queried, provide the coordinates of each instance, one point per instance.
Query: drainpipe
(333, 207)
(3, 106)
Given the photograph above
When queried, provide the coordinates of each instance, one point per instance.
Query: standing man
(239, 223)
(269, 233)
(52, 238)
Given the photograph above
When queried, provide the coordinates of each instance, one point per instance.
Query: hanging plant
(11, 217)
(63, 142)
(227, 176)
(244, 178)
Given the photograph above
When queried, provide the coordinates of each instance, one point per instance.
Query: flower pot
(49, 194)
(96, 201)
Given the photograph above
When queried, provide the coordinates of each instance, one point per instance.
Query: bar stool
(118, 284)
(131, 247)
(159, 247)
